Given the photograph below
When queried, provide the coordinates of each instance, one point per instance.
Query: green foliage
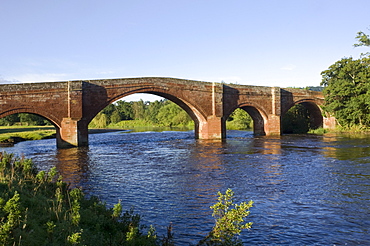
(172, 115)
(11, 220)
(230, 220)
(125, 110)
(157, 113)
(37, 208)
(100, 121)
(115, 117)
(296, 120)
(239, 120)
(318, 131)
(363, 39)
(117, 210)
(347, 91)
(24, 119)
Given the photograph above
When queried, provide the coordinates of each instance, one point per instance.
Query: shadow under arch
(195, 114)
(258, 116)
(316, 118)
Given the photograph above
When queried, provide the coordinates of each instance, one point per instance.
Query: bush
(37, 208)
(229, 220)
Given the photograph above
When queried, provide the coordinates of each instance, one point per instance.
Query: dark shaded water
(307, 189)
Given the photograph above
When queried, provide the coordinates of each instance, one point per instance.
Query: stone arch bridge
(71, 105)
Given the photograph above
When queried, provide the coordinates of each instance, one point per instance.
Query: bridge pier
(273, 125)
(213, 128)
(72, 133)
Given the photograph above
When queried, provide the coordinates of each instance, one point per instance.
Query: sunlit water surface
(306, 189)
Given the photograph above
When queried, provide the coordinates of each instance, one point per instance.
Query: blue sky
(262, 42)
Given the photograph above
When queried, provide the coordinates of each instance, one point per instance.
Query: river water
(307, 189)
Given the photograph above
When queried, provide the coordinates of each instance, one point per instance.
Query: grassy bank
(12, 134)
(339, 129)
(37, 208)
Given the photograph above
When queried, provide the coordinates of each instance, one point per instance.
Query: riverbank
(11, 135)
(342, 130)
(39, 209)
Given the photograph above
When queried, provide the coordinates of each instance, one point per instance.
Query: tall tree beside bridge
(363, 39)
(347, 88)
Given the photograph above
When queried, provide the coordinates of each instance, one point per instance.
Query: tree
(9, 120)
(100, 121)
(347, 88)
(32, 119)
(125, 110)
(153, 109)
(363, 39)
(239, 120)
(172, 115)
(296, 120)
(138, 109)
(347, 91)
(115, 117)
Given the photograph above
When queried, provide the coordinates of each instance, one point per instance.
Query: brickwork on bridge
(71, 105)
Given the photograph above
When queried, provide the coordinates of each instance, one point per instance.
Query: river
(307, 189)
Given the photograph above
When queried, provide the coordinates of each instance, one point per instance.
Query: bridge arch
(53, 120)
(315, 112)
(192, 110)
(257, 114)
(50, 117)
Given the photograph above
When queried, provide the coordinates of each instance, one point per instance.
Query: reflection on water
(73, 165)
(307, 189)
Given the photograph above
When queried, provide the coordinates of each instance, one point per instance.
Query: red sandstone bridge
(71, 105)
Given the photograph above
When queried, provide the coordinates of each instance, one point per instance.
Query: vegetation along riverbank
(38, 208)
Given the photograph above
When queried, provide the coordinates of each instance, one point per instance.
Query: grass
(339, 129)
(37, 208)
(11, 129)
(318, 131)
(9, 133)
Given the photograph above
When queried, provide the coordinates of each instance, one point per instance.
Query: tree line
(157, 113)
(24, 119)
